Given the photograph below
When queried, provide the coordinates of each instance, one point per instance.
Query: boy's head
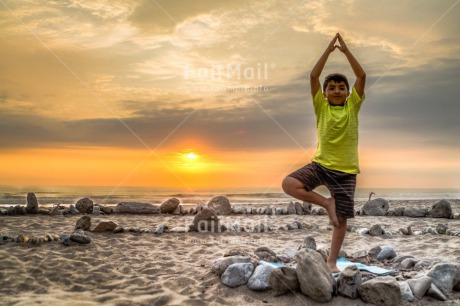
(336, 88)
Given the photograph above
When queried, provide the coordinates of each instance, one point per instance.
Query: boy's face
(336, 93)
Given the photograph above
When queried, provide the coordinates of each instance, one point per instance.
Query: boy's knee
(289, 185)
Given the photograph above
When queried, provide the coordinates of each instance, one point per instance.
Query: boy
(335, 163)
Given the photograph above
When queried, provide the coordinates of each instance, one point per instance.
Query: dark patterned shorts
(340, 184)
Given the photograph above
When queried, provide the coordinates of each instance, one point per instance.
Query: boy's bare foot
(332, 267)
(330, 208)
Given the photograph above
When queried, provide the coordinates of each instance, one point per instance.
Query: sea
(109, 195)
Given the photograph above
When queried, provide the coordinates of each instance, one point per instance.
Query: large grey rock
(445, 276)
(406, 292)
(105, 226)
(441, 209)
(397, 212)
(84, 223)
(260, 280)
(434, 292)
(381, 291)
(376, 230)
(220, 265)
(84, 205)
(237, 274)
(136, 208)
(376, 207)
(206, 221)
(315, 279)
(419, 286)
(221, 205)
(386, 253)
(32, 203)
(168, 206)
(415, 212)
(79, 238)
(349, 281)
(284, 280)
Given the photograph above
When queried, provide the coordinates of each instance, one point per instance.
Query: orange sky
(109, 93)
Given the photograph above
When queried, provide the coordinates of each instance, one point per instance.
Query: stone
(363, 231)
(265, 253)
(105, 226)
(400, 258)
(441, 209)
(292, 226)
(168, 206)
(381, 291)
(96, 210)
(206, 221)
(269, 211)
(220, 265)
(415, 212)
(397, 212)
(65, 239)
(84, 223)
(136, 208)
(261, 227)
(236, 252)
(291, 252)
(298, 208)
(118, 229)
(159, 229)
(315, 279)
(82, 239)
(376, 207)
(429, 230)
(375, 251)
(323, 252)
(106, 209)
(238, 210)
(32, 203)
(445, 276)
(178, 229)
(386, 253)
(441, 228)
(284, 280)
(84, 205)
(221, 205)
(291, 209)
(73, 210)
(43, 211)
(406, 292)
(260, 279)
(434, 292)
(306, 208)
(349, 281)
(376, 230)
(408, 263)
(298, 223)
(279, 211)
(236, 226)
(237, 274)
(407, 231)
(424, 263)
(419, 286)
(308, 243)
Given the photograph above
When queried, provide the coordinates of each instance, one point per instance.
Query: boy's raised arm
(357, 69)
(318, 68)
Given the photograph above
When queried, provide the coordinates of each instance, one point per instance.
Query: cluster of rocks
(381, 207)
(305, 271)
(21, 238)
(82, 206)
(378, 230)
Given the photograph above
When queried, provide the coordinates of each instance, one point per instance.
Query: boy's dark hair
(336, 77)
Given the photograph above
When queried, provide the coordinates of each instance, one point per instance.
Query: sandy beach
(175, 268)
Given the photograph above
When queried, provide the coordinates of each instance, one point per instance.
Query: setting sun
(192, 156)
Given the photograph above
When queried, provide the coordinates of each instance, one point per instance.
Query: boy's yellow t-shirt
(337, 128)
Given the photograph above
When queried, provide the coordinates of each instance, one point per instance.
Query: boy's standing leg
(338, 235)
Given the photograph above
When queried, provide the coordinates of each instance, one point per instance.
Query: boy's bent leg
(338, 235)
(296, 189)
